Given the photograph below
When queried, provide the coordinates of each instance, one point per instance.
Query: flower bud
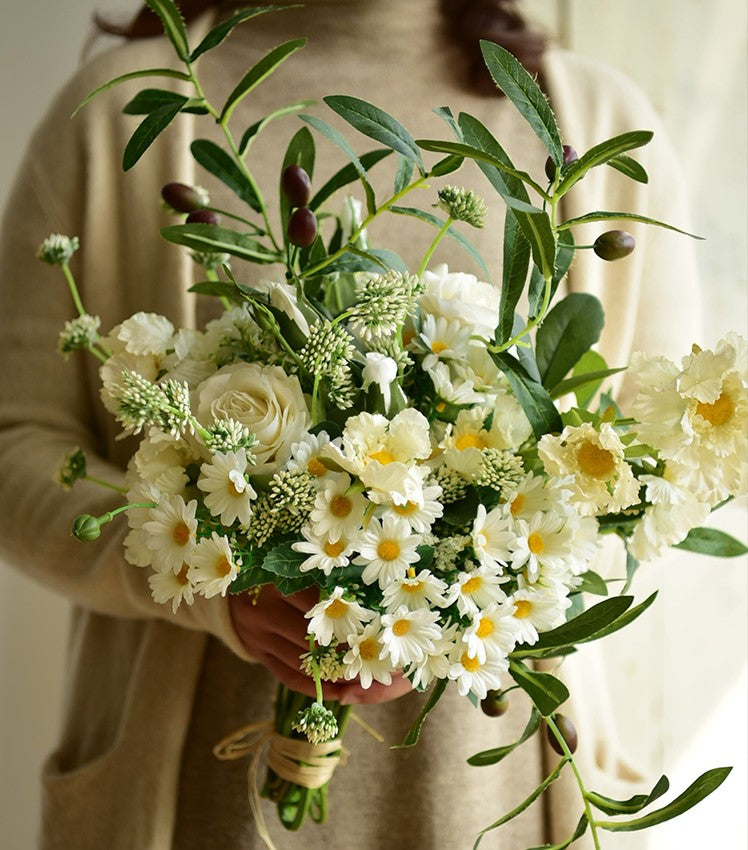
(570, 155)
(57, 249)
(203, 217)
(86, 528)
(183, 198)
(302, 227)
(568, 733)
(296, 185)
(494, 704)
(463, 205)
(613, 245)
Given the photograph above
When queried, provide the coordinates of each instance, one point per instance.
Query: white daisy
(229, 492)
(474, 675)
(477, 589)
(324, 554)
(422, 516)
(424, 590)
(408, 636)
(493, 631)
(492, 537)
(335, 617)
(538, 493)
(537, 609)
(544, 541)
(337, 512)
(364, 658)
(172, 587)
(145, 334)
(171, 532)
(435, 664)
(387, 549)
(212, 566)
(441, 338)
(307, 455)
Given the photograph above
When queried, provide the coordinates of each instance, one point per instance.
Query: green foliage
(600, 154)
(630, 167)
(222, 30)
(516, 264)
(301, 151)
(711, 541)
(222, 165)
(210, 237)
(173, 25)
(414, 733)
(148, 131)
(535, 401)
(495, 755)
(346, 175)
(256, 128)
(621, 216)
(545, 690)
(633, 804)
(149, 100)
(131, 75)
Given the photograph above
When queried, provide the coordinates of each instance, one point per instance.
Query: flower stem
(432, 247)
(102, 483)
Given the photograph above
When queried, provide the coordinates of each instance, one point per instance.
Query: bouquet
(440, 469)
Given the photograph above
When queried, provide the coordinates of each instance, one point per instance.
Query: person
(152, 691)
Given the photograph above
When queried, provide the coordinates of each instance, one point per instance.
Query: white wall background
(690, 57)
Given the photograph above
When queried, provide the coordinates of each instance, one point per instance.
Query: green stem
(582, 790)
(72, 286)
(102, 483)
(211, 274)
(432, 247)
(315, 671)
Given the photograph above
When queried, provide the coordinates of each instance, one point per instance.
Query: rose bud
(570, 155)
(302, 227)
(568, 733)
(296, 185)
(203, 217)
(183, 198)
(494, 704)
(614, 244)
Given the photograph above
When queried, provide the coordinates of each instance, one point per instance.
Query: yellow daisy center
(315, 467)
(411, 588)
(223, 566)
(470, 441)
(470, 663)
(718, 412)
(405, 510)
(535, 543)
(232, 488)
(485, 628)
(472, 584)
(517, 504)
(437, 346)
(181, 534)
(368, 649)
(401, 627)
(441, 406)
(384, 457)
(388, 550)
(336, 609)
(341, 506)
(595, 461)
(333, 548)
(182, 574)
(523, 608)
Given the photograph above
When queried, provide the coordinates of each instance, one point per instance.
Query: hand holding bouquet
(436, 470)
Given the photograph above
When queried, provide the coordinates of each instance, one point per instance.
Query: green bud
(463, 205)
(86, 528)
(58, 249)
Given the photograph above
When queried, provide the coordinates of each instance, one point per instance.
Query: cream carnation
(265, 399)
(461, 297)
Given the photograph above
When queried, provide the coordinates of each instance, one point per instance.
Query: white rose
(463, 298)
(265, 399)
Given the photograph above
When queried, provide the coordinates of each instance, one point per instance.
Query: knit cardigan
(134, 665)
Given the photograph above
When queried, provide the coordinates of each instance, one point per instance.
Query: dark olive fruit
(614, 244)
(203, 217)
(296, 185)
(302, 227)
(568, 733)
(494, 704)
(182, 198)
(570, 155)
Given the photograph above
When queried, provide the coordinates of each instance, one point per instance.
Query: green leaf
(591, 582)
(438, 222)
(173, 24)
(495, 755)
(376, 124)
(211, 237)
(221, 31)
(215, 288)
(615, 216)
(600, 154)
(149, 100)
(710, 541)
(222, 165)
(526, 95)
(348, 174)
(132, 75)
(630, 167)
(564, 257)
(633, 804)
(259, 72)
(569, 330)
(338, 139)
(148, 131)
(588, 624)
(588, 364)
(445, 113)
(623, 621)
(545, 690)
(404, 173)
(300, 151)
(525, 804)
(499, 169)
(535, 401)
(446, 166)
(589, 380)
(580, 830)
(374, 260)
(411, 739)
(695, 793)
(256, 128)
(284, 561)
(514, 275)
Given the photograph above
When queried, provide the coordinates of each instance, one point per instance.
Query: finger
(354, 693)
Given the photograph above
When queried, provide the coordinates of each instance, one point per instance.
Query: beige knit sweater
(136, 670)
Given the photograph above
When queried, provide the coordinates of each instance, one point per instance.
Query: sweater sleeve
(49, 406)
